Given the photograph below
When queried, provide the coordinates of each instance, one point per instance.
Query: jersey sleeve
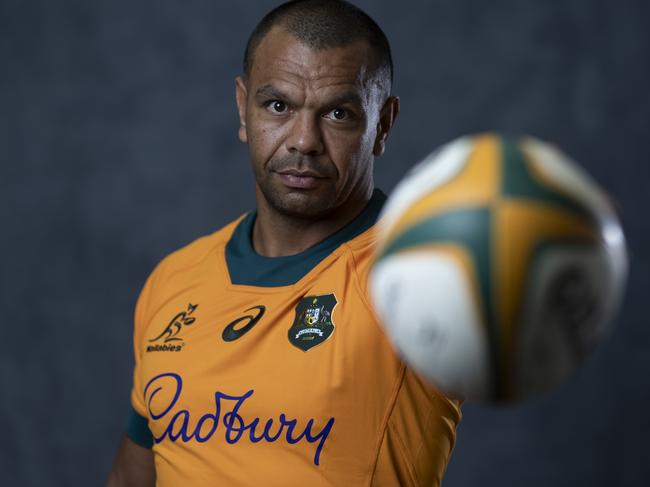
(137, 428)
(419, 437)
(139, 327)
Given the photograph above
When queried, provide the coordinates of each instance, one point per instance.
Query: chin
(301, 205)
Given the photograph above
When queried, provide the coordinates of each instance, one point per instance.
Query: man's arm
(133, 466)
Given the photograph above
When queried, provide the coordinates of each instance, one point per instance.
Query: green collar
(246, 267)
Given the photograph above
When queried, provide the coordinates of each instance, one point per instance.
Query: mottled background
(118, 145)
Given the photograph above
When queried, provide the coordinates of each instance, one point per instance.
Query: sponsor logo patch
(230, 419)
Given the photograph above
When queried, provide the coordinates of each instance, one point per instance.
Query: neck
(277, 235)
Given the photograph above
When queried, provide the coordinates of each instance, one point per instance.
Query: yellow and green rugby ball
(499, 266)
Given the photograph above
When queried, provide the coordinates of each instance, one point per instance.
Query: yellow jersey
(256, 371)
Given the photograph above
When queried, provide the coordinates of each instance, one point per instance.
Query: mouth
(296, 179)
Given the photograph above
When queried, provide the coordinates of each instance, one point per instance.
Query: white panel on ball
(432, 318)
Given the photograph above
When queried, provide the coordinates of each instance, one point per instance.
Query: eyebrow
(269, 91)
(349, 97)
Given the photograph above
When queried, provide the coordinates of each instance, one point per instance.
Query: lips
(296, 179)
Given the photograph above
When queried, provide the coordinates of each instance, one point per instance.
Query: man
(258, 358)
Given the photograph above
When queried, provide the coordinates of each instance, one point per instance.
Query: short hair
(324, 24)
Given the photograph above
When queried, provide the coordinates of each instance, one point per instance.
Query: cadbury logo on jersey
(164, 390)
(313, 323)
(171, 342)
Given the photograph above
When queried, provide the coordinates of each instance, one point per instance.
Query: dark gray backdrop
(118, 145)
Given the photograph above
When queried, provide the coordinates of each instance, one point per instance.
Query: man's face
(314, 122)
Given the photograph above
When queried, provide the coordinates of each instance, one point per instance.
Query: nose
(305, 137)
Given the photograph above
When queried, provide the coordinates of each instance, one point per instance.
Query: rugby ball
(499, 266)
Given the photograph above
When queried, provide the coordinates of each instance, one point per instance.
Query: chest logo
(230, 333)
(172, 342)
(313, 323)
(229, 418)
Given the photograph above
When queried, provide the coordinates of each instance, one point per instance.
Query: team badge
(313, 324)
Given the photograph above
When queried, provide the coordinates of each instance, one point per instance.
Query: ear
(387, 118)
(241, 94)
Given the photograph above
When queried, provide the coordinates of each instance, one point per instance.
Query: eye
(339, 114)
(277, 106)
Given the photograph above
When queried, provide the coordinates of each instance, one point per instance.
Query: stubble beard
(309, 204)
(297, 204)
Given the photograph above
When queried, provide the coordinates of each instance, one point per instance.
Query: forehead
(281, 57)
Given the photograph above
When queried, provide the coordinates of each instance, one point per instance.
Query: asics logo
(230, 333)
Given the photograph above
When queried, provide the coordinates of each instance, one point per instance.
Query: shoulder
(170, 273)
(363, 245)
(186, 260)
(359, 253)
(196, 252)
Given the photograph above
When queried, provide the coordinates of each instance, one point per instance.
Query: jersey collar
(247, 267)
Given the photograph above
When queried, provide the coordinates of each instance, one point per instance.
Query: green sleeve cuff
(137, 429)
